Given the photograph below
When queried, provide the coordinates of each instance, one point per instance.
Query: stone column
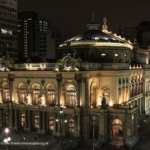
(87, 103)
(29, 120)
(78, 126)
(78, 99)
(103, 136)
(136, 103)
(10, 115)
(11, 80)
(43, 121)
(136, 123)
(26, 119)
(1, 95)
(64, 125)
(16, 118)
(1, 118)
(59, 91)
(75, 125)
(132, 90)
(139, 106)
(136, 89)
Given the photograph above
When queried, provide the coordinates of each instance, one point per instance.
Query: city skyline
(75, 15)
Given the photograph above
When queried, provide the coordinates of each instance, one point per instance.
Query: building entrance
(93, 122)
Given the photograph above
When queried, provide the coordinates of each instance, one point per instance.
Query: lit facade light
(65, 121)
(9, 139)
(56, 120)
(110, 104)
(61, 111)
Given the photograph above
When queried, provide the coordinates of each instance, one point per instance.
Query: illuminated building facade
(111, 92)
(8, 27)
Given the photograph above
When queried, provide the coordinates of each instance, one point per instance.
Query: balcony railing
(136, 97)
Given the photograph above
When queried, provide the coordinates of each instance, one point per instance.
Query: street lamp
(94, 121)
(61, 139)
(7, 139)
(6, 131)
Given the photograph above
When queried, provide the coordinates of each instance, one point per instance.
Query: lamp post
(94, 121)
(61, 139)
(7, 139)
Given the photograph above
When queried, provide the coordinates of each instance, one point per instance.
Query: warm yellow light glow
(91, 106)
(99, 103)
(110, 104)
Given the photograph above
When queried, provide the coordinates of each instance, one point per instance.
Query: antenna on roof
(93, 17)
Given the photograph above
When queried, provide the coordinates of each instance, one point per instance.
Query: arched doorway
(22, 121)
(71, 96)
(117, 127)
(71, 126)
(51, 125)
(93, 121)
(36, 119)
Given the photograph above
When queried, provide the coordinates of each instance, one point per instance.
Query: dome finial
(104, 27)
(93, 17)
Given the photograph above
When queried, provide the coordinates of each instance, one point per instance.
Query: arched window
(71, 96)
(36, 94)
(51, 94)
(36, 122)
(71, 126)
(22, 93)
(22, 120)
(51, 123)
(6, 92)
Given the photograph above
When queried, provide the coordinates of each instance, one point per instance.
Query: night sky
(72, 16)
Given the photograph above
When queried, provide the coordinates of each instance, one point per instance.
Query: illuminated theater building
(109, 66)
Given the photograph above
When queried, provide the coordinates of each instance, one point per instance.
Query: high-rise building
(36, 38)
(135, 32)
(8, 27)
(40, 37)
(26, 33)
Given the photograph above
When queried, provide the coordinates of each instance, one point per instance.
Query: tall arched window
(22, 120)
(71, 96)
(6, 92)
(51, 94)
(22, 93)
(71, 126)
(36, 94)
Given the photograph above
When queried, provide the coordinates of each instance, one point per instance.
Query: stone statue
(103, 105)
(68, 50)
